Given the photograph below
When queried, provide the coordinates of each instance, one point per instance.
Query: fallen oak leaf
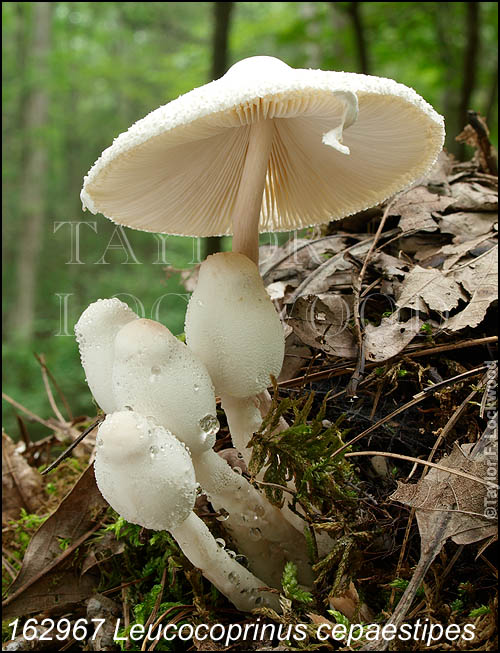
(480, 278)
(389, 338)
(321, 321)
(445, 508)
(428, 288)
(46, 579)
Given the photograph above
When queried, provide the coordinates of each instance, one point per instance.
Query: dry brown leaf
(321, 322)
(459, 500)
(296, 356)
(389, 338)
(417, 207)
(22, 486)
(47, 578)
(446, 506)
(350, 605)
(472, 196)
(480, 278)
(466, 226)
(429, 288)
(389, 265)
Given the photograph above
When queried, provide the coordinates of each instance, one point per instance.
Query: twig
(157, 604)
(58, 389)
(177, 618)
(449, 425)
(330, 263)
(48, 389)
(416, 399)
(69, 449)
(352, 386)
(430, 351)
(411, 459)
(32, 416)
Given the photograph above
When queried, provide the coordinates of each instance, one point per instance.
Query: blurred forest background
(76, 74)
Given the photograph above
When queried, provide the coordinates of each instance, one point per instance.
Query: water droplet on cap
(209, 424)
(223, 515)
(220, 542)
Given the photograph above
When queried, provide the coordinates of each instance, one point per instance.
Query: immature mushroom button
(157, 375)
(146, 475)
(95, 333)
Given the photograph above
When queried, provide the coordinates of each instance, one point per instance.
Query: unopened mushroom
(159, 376)
(156, 375)
(95, 333)
(233, 327)
(146, 475)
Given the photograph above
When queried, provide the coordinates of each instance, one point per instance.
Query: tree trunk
(471, 55)
(354, 11)
(222, 12)
(33, 184)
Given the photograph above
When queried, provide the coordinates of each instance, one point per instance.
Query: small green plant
(401, 584)
(291, 586)
(426, 328)
(478, 612)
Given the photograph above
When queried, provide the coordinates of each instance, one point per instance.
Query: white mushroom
(233, 327)
(159, 376)
(265, 148)
(95, 333)
(146, 475)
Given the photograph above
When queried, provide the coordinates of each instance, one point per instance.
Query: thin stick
(65, 454)
(352, 386)
(416, 399)
(58, 389)
(246, 211)
(336, 371)
(48, 390)
(411, 459)
(32, 416)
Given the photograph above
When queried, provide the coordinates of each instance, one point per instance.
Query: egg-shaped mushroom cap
(156, 375)
(233, 327)
(342, 142)
(95, 333)
(144, 472)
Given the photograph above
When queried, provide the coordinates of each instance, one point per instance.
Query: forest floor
(389, 390)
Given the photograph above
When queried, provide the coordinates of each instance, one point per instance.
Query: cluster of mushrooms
(265, 148)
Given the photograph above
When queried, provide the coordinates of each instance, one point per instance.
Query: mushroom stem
(238, 584)
(259, 529)
(246, 211)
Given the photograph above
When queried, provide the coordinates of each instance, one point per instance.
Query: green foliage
(478, 612)
(303, 452)
(401, 584)
(291, 587)
(24, 527)
(340, 618)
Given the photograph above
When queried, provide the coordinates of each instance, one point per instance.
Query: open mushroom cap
(95, 333)
(342, 142)
(144, 472)
(156, 375)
